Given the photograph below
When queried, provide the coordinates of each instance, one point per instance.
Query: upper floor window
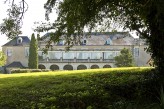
(26, 51)
(61, 42)
(117, 53)
(109, 55)
(136, 52)
(9, 52)
(108, 42)
(54, 55)
(83, 55)
(96, 55)
(68, 55)
(84, 42)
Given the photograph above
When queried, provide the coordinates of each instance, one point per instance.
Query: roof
(104, 38)
(116, 38)
(15, 64)
(13, 42)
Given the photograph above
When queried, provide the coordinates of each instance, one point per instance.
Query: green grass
(92, 89)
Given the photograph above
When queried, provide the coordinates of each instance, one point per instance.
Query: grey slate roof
(103, 38)
(115, 38)
(13, 42)
(15, 64)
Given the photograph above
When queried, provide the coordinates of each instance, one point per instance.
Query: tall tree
(2, 59)
(125, 59)
(33, 54)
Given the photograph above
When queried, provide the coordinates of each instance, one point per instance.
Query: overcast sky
(35, 13)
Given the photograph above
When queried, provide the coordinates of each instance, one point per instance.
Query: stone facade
(96, 51)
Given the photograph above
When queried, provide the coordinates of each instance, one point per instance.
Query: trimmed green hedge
(135, 88)
(28, 70)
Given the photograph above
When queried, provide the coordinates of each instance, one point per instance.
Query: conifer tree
(33, 54)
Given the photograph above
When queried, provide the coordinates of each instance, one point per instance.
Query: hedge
(28, 70)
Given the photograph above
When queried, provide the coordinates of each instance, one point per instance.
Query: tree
(33, 55)
(144, 16)
(125, 59)
(2, 59)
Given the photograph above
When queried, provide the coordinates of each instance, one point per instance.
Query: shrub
(28, 70)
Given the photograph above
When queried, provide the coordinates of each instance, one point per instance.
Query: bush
(28, 70)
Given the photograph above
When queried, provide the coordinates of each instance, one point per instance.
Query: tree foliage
(33, 54)
(144, 16)
(2, 59)
(12, 24)
(125, 59)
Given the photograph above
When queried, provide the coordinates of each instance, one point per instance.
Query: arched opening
(54, 67)
(81, 67)
(68, 67)
(41, 66)
(94, 67)
(106, 66)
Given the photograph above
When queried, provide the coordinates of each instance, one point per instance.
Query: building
(96, 50)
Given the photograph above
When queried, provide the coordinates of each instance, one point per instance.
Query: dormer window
(84, 42)
(19, 40)
(61, 42)
(108, 42)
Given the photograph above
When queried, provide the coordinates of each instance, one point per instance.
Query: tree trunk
(156, 41)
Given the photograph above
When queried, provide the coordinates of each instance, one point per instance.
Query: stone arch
(41, 66)
(107, 66)
(94, 67)
(54, 67)
(81, 67)
(68, 67)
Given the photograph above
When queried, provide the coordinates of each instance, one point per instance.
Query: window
(136, 52)
(54, 55)
(19, 40)
(108, 41)
(26, 51)
(117, 53)
(61, 42)
(83, 55)
(45, 56)
(84, 42)
(95, 55)
(9, 52)
(40, 55)
(68, 55)
(109, 55)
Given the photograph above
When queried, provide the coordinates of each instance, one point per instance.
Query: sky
(35, 13)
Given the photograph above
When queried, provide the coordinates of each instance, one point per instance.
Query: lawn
(113, 88)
